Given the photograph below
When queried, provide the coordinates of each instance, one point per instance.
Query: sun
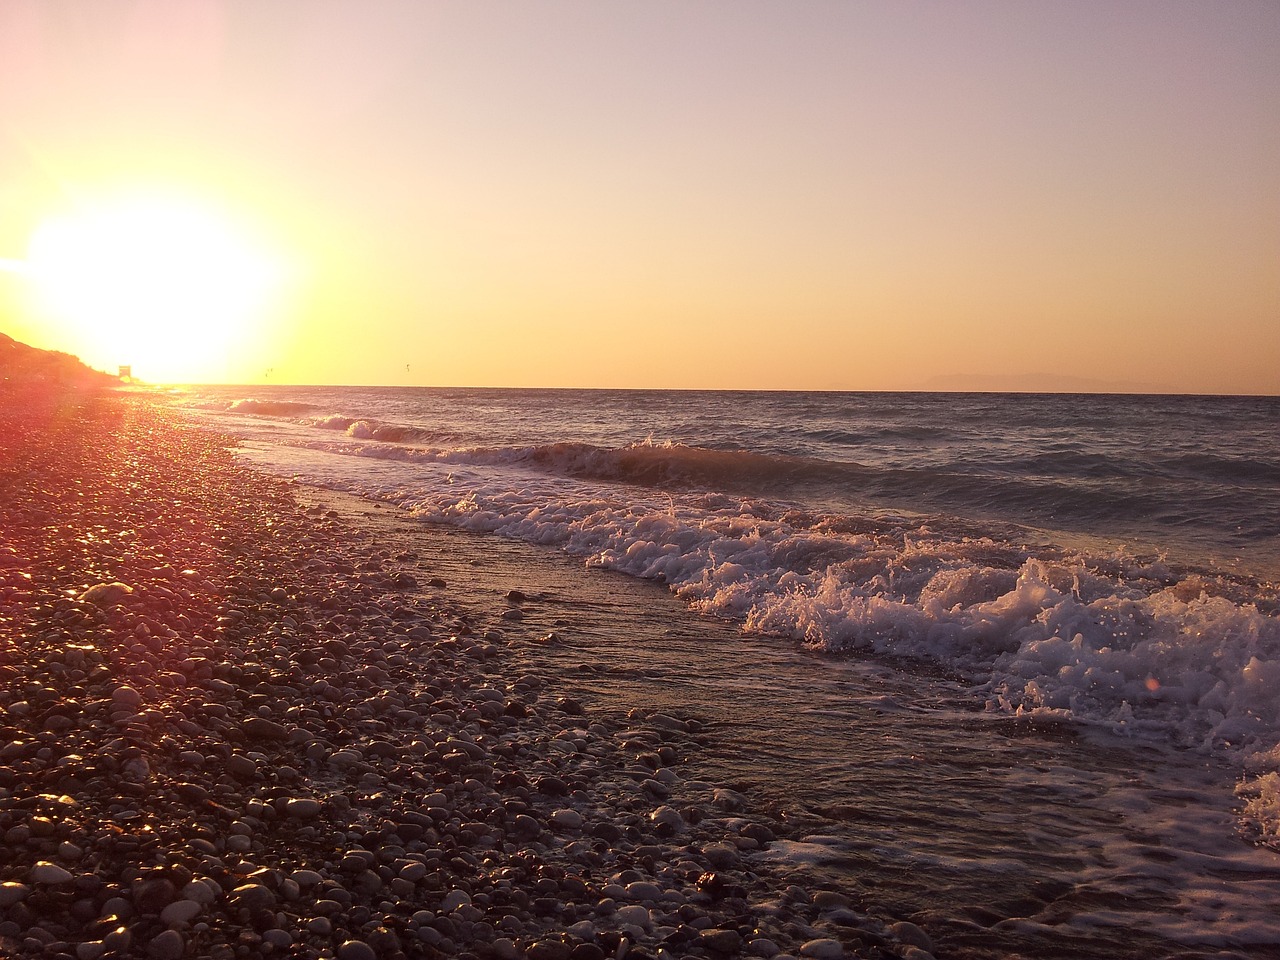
(165, 282)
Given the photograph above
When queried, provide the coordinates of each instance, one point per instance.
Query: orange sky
(827, 195)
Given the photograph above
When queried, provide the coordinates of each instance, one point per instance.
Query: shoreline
(278, 741)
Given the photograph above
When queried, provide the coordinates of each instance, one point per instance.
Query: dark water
(1196, 475)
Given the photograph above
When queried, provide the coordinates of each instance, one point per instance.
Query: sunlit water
(974, 739)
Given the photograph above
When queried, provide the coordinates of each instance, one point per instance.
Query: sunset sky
(821, 195)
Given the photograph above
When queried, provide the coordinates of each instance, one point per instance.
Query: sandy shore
(278, 737)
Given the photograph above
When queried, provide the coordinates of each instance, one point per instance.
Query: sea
(1009, 662)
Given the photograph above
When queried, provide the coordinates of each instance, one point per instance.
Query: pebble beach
(235, 723)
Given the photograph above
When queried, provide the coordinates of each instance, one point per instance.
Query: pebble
(356, 950)
(168, 945)
(181, 911)
(50, 873)
(822, 948)
(643, 891)
(567, 819)
(720, 941)
(106, 594)
(279, 939)
(909, 933)
(303, 808)
(12, 892)
(455, 899)
(253, 897)
(635, 915)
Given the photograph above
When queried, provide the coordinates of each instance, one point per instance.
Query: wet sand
(236, 724)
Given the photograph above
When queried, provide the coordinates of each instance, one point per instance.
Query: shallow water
(999, 836)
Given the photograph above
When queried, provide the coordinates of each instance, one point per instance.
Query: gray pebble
(168, 945)
(356, 950)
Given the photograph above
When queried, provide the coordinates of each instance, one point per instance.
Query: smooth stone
(568, 819)
(125, 698)
(667, 816)
(12, 892)
(106, 594)
(253, 897)
(413, 872)
(241, 767)
(200, 892)
(49, 873)
(823, 948)
(644, 891)
(721, 855)
(763, 947)
(181, 911)
(261, 728)
(453, 900)
(907, 932)
(721, 941)
(280, 939)
(634, 914)
(302, 807)
(305, 878)
(356, 950)
(168, 945)
(548, 950)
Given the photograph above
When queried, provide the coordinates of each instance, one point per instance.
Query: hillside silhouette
(26, 367)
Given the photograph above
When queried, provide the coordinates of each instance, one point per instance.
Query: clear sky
(702, 193)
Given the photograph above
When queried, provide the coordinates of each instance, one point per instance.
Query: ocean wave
(1113, 640)
(269, 408)
(1056, 502)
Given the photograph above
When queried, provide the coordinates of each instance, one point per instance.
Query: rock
(11, 893)
(356, 950)
(260, 728)
(302, 808)
(305, 878)
(241, 767)
(168, 945)
(453, 900)
(909, 933)
(727, 799)
(49, 873)
(548, 950)
(125, 698)
(669, 818)
(106, 594)
(720, 941)
(279, 939)
(152, 894)
(823, 948)
(763, 947)
(642, 891)
(721, 855)
(634, 914)
(567, 819)
(252, 897)
(180, 911)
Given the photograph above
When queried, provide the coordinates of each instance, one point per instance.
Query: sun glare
(165, 283)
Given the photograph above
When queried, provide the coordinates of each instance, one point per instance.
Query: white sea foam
(1108, 640)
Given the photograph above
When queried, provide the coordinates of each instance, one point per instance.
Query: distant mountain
(22, 365)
